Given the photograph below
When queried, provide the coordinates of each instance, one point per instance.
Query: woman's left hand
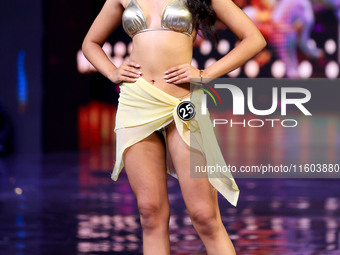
(181, 74)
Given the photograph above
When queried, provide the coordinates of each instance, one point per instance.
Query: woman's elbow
(84, 45)
(256, 41)
(261, 42)
(87, 46)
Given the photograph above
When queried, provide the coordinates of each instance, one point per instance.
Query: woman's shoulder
(121, 3)
(124, 3)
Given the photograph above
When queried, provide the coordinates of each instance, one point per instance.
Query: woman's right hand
(128, 71)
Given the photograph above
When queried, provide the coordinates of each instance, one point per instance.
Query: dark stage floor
(66, 203)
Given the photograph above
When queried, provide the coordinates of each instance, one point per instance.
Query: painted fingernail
(138, 65)
(167, 80)
(166, 72)
(139, 72)
(165, 77)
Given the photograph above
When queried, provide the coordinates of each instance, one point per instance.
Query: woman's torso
(158, 50)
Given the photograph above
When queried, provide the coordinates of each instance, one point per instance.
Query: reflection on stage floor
(66, 203)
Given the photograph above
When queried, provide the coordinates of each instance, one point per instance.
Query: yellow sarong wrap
(144, 108)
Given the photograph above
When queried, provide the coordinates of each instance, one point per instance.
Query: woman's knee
(205, 220)
(154, 215)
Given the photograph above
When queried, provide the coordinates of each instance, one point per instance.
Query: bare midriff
(159, 50)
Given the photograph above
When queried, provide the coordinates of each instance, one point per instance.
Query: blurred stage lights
(83, 65)
(330, 46)
(305, 69)
(130, 47)
(117, 60)
(209, 62)
(194, 63)
(235, 73)
(278, 69)
(107, 48)
(223, 47)
(119, 49)
(22, 83)
(332, 70)
(205, 47)
(252, 69)
(311, 44)
(18, 191)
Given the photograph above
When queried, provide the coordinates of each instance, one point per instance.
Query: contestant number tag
(186, 110)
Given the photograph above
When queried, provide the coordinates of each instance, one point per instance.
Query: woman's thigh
(146, 170)
(199, 195)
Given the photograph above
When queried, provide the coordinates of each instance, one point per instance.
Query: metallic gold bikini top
(175, 17)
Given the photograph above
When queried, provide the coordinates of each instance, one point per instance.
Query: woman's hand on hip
(127, 71)
(181, 74)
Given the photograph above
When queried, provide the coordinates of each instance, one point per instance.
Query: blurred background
(57, 145)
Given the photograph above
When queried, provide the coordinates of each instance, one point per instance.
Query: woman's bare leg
(146, 171)
(200, 198)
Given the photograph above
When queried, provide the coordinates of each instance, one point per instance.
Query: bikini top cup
(175, 17)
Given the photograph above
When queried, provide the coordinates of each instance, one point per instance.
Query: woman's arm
(105, 23)
(241, 25)
(251, 39)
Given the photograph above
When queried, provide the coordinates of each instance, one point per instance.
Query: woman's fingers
(175, 68)
(182, 80)
(131, 67)
(124, 76)
(132, 72)
(181, 74)
(128, 78)
(179, 78)
(174, 74)
(129, 71)
(133, 64)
